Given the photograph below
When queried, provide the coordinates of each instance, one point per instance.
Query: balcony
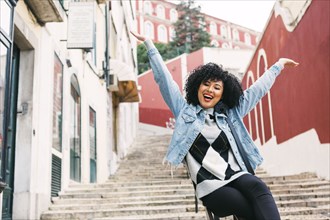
(46, 10)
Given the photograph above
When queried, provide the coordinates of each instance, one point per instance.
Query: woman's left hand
(288, 62)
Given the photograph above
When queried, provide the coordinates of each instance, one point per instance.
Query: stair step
(143, 188)
(101, 213)
(132, 193)
(301, 190)
(322, 210)
(302, 196)
(152, 198)
(306, 217)
(313, 202)
(170, 216)
(152, 210)
(121, 183)
(293, 181)
(323, 185)
(300, 185)
(126, 204)
(129, 188)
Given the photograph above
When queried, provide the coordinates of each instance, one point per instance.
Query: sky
(252, 14)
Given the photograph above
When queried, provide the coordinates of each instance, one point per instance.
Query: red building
(292, 123)
(155, 19)
(234, 46)
(152, 108)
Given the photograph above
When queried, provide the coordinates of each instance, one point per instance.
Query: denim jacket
(190, 119)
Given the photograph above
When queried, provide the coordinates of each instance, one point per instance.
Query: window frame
(58, 87)
(147, 7)
(247, 39)
(224, 31)
(6, 39)
(160, 11)
(173, 15)
(236, 35)
(213, 28)
(162, 33)
(152, 29)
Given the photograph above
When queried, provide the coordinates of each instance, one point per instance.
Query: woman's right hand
(137, 36)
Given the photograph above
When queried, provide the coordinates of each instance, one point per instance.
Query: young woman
(208, 130)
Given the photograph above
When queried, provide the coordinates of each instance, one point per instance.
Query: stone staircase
(144, 189)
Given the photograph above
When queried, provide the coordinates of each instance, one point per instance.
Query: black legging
(246, 197)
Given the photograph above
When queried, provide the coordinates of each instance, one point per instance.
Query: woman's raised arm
(168, 87)
(258, 89)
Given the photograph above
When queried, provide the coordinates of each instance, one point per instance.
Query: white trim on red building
(155, 19)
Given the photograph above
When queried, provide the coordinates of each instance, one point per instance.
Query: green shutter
(56, 175)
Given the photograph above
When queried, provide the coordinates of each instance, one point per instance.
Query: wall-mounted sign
(81, 25)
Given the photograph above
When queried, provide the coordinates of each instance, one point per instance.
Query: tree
(143, 62)
(190, 29)
(190, 35)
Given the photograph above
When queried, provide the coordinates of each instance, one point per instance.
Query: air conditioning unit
(113, 82)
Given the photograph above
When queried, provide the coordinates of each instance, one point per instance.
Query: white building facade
(73, 115)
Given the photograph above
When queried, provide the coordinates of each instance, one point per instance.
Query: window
(172, 33)
(225, 45)
(6, 57)
(147, 8)
(214, 43)
(149, 29)
(160, 11)
(257, 39)
(92, 145)
(75, 130)
(213, 28)
(224, 31)
(247, 38)
(162, 33)
(57, 104)
(235, 35)
(3, 69)
(5, 17)
(173, 15)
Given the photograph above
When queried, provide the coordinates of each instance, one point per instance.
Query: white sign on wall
(81, 25)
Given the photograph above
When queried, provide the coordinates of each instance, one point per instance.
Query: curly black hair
(211, 71)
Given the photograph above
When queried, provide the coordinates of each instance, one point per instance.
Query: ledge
(2, 186)
(44, 10)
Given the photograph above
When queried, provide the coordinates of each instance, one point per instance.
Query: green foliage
(143, 62)
(142, 58)
(190, 28)
(191, 35)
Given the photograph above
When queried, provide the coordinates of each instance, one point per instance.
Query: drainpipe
(106, 61)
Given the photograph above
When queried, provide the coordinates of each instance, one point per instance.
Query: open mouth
(207, 97)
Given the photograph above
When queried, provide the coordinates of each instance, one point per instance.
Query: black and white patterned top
(210, 160)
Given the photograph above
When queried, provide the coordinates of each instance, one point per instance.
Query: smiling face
(210, 93)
